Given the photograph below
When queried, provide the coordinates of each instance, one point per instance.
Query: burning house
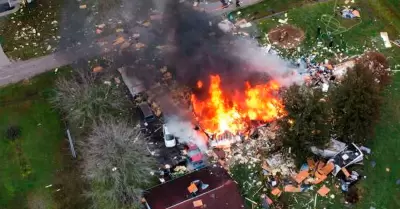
(226, 116)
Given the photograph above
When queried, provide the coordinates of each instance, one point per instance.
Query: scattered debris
(276, 192)
(386, 40)
(97, 69)
(197, 203)
(349, 13)
(139, 46)
(323, 191)
(119, 40)
(83, 6)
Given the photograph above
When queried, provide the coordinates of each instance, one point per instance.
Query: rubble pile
(256, 150)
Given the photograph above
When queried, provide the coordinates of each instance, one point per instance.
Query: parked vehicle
(195, 158)
(169, 139)
(146, 113)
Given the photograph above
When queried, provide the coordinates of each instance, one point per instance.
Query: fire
(221, 112)
(199, 84)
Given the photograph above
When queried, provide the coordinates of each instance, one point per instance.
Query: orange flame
(220, 112)
(199, 84)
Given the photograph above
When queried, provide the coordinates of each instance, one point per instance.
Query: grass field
(32, 31)
(353, 37)
(268, 7)
(35, 159)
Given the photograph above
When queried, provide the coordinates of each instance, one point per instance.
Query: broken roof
(222, 192)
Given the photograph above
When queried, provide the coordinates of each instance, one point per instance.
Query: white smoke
(184, 129)
(279, 69)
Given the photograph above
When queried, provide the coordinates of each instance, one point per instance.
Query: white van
(169, 139)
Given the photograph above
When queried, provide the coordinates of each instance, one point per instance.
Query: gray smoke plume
(200, 48)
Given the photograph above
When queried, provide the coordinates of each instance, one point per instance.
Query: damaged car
(352, 154)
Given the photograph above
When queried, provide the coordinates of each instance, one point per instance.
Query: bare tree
(117, 164)
(83, 97)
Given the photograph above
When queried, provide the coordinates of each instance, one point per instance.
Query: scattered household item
(350, 13)
(332, 149)
(386, 40)
(365, 149)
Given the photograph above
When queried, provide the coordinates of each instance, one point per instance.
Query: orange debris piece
(192, 188)
(327, 169)
(323, 191)
(301, 176)
(276, 192)
(320, 165)
(291, 188)
(119, 40)
(319, 178)
(97, 69)
(356, 13)
(345, 172)
(197, 203)
(311, 163)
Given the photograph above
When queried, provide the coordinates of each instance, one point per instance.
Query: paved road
(18, 71)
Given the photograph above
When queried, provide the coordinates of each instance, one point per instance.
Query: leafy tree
(85, 96)
(356, 105)
(116, 162)
(378, 65)
(306, 123)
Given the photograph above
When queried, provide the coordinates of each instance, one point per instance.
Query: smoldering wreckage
(216, 103)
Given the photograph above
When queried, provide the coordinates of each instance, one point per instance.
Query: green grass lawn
(268, 7)
(32, 31)
(353, 37)
(29, 163)
(379, 188)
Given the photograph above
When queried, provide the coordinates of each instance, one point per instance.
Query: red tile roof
(222, 192)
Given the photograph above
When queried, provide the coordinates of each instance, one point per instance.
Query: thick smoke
(200, 49)
(184, 129)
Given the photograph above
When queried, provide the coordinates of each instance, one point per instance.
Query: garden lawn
(350, 37)
(29, 162)
(268, 7)
(32, 31)
(379, 189)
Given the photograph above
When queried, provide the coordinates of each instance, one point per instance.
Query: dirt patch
(286, 36)
(38, 200)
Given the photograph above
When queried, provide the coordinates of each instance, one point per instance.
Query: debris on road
(97, 69)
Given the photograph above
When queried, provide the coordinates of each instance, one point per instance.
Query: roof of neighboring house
(222, 192)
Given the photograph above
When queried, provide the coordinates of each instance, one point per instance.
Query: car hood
(196, 157)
